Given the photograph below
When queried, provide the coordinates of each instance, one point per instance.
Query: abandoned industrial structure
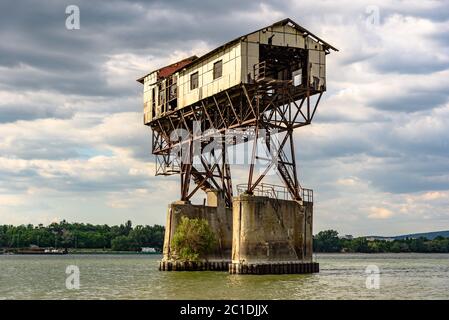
(271, 80)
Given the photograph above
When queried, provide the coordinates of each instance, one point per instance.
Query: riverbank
(108, 251)
(77, 251)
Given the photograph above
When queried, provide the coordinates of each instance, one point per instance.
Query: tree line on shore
(123, 237)
(329, 241)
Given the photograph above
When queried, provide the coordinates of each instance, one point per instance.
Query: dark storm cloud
(414, 100)
(34, 34)
(61, 181)
(408, 64)
(442, 39)
(410, 174)
(14, 112)
(82, 83)
(39, 148)
(39, 53)
(408, 153)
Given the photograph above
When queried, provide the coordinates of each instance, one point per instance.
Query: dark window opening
(153, 97)
(282, 62)
(161, 96)
(194, 81)
(153, 102)
(218, 69)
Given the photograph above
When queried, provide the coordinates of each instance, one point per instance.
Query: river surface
(342, 276)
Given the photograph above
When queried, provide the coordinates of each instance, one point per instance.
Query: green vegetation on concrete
(328, 241)
(193, 239)
(79, 236)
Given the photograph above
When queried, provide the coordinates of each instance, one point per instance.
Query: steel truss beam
(271, 105)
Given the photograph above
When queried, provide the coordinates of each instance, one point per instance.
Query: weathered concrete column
(308, 231)
(214, 198)
(271, 236)
(220, 221)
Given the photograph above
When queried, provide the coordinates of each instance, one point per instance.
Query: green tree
(67, 239)
(327, 241)
(193, 239)
(360, 245)
(122, 243)
(80, 235)
(396, 247)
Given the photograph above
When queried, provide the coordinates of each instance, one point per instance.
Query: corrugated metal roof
(166, 71)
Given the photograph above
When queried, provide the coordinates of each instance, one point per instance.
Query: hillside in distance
(427, 235)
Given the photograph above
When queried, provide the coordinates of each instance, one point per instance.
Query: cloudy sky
(73, 146)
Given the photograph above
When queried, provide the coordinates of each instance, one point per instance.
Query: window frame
(197, 80)
(214, 75)
(153, 97)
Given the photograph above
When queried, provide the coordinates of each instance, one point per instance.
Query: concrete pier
(194, 266)
(217, 215)
(259, 235)
(274, 268)
(272, 236)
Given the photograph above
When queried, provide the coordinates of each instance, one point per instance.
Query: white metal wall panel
(238, 61)
(230, 76)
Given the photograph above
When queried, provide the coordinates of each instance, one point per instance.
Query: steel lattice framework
(265, 104)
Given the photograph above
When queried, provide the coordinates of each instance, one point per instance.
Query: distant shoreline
(134, 253)
(117, 252)
(83, 251)
(376, 253)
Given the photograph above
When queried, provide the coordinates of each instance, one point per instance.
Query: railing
(275, 192)
(259, 70)
(167, 165)
(307, 195)
(266, 190)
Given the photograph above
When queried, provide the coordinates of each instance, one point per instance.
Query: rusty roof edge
(141, 79)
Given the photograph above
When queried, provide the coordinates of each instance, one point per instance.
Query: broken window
(161, 96)
(153, 97)
(194, 81)
(297, 77)
(218, 69)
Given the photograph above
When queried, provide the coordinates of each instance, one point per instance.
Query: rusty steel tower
(257, 88)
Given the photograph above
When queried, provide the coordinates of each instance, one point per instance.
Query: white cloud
(380, 213)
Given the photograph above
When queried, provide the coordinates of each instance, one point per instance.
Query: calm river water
(342, 276)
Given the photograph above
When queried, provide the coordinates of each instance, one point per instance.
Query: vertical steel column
(253, 154)
(186, 167)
